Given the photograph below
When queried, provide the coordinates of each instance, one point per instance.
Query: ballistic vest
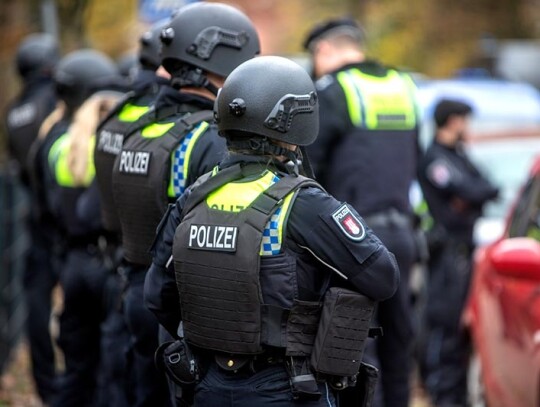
(149, 172)
(109, 140)
(227, 228)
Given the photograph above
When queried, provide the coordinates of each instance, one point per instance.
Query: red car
(503, 310)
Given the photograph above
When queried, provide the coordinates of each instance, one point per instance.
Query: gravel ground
(16, 387)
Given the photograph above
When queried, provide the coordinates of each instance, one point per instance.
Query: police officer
(116, 339)
(366, 154)
(256, 247)
(113, 129)
(455, 192)
(69, 170)
(172, 145)
(35, 60)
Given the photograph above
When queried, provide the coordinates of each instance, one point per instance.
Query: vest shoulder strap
(185, 123)
(262, 208)
(182, 127)
(189, 120)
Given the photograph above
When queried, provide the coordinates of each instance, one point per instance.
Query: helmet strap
(306, 163)
(189, 76)
(263, 146)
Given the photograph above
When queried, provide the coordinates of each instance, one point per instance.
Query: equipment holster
(366, 382)
(178, 362)
(343, 329)
(303, 383)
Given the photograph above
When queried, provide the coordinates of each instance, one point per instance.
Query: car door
(519, 304)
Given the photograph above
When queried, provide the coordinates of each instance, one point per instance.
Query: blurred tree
(112, 26)
(438, 37)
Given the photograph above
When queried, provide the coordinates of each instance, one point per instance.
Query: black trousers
(150, 386)
(40, 277)
(82, 279)
(444, 345)
(269, 387)
(116, 381)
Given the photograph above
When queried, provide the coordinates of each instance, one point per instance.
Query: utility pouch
(343, 329)
(302, 326)
(178, 362)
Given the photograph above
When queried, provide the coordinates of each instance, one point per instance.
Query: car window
(506, 164)
(526, 217)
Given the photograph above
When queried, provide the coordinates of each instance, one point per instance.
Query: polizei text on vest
(213, 237)
(134, 162)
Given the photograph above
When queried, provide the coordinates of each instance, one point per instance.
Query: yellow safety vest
(379, 103)
(58, 162)
(236, 196)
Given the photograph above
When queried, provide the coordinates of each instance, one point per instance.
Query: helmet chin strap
(263, 146)
(189, 76)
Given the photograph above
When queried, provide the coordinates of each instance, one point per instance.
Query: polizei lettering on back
(134, 162)
(213, 237)
(110, 142)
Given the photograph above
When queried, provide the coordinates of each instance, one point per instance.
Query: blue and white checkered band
(271, 244)
(177, 170)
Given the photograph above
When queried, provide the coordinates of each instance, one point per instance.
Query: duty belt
(391, 217)
(253, 364)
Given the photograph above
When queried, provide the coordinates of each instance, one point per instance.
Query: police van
(504, 135)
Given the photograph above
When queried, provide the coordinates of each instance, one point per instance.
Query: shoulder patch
(439, 173)
(349, 224)
(22, 115)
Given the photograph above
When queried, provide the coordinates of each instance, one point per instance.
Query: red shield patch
(349, 224)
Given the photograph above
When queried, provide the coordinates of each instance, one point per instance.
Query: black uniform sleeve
(337, 236)
(447, 177)
(160, 292)
(333, 122)
(208, 151)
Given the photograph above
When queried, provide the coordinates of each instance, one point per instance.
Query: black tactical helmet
(150, 46)
(83, 72)
(37, 54)
(269, 97)
(212, 37)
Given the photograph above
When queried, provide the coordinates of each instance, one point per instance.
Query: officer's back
(35, 61)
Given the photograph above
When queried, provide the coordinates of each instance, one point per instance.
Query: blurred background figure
(124, 316)
(35, 61)
(366, 154)
(455, 192)
(65, 160)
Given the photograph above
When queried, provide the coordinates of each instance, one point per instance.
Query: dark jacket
(371, 168)
(454, 189)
